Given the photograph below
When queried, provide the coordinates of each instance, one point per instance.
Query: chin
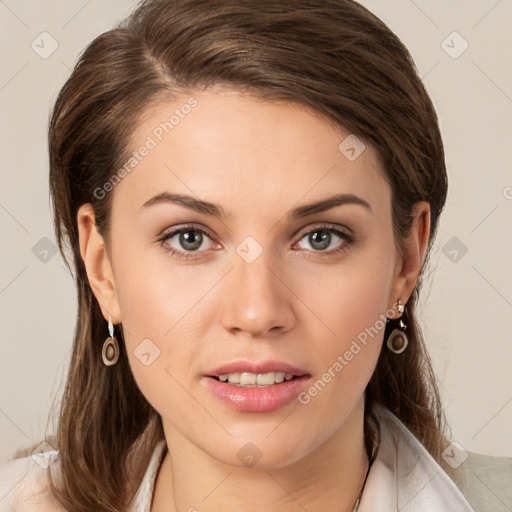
(259, 451)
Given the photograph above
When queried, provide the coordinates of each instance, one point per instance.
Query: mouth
(256, 387)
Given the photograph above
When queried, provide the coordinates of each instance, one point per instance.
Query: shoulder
(25, 487)
(488, 482)
(24, 484)
(417, 481)
(477, 483)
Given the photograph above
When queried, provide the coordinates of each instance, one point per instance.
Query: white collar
(404, 476)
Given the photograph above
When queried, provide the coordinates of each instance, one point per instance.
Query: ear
(97, 263)
(408, 269)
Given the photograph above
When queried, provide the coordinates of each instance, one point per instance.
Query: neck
(330, 477)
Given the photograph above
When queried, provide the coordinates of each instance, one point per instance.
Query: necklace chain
(358, 501)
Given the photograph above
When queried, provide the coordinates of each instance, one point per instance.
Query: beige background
(467, 303)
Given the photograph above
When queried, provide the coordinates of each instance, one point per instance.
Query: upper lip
(242, 366)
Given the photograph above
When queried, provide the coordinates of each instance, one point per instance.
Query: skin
(257, 159)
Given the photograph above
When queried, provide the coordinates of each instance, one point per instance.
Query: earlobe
(98, 266)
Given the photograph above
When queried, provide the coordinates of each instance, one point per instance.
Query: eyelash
(349, 240)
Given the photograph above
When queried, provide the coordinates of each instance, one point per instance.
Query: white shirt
(403, 477)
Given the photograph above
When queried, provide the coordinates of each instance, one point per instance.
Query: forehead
(224, 146)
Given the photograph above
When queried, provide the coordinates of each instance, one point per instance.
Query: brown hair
(333, 56)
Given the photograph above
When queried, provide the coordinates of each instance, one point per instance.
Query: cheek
(155, 293)
(350, 309)
(160, 303)
(347, 298)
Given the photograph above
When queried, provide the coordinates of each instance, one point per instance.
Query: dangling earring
(110, 351)
(397, 340)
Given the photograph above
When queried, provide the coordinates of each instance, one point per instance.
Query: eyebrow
(217, 211)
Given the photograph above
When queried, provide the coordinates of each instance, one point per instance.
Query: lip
(250, 367)
(257, 399)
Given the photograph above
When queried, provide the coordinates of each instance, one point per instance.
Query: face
(252, 282)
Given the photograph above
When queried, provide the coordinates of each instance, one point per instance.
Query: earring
(397, 340)
(110, 351)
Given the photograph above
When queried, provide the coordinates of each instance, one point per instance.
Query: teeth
(253, 380)
(248, 379)
(234, 378)
(267, 379)
(279, 377)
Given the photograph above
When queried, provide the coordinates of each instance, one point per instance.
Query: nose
(258, 302)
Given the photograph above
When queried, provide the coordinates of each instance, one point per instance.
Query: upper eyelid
(328, 227)
(325, 225)
(174, 231)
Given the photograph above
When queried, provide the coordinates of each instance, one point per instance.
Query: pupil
(191, 240)
(323, 240)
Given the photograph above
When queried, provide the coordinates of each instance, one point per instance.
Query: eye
(325, 237)
(185, 240)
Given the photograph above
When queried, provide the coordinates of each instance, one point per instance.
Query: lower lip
(258, 399)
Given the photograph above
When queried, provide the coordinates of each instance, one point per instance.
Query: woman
(249, 192)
